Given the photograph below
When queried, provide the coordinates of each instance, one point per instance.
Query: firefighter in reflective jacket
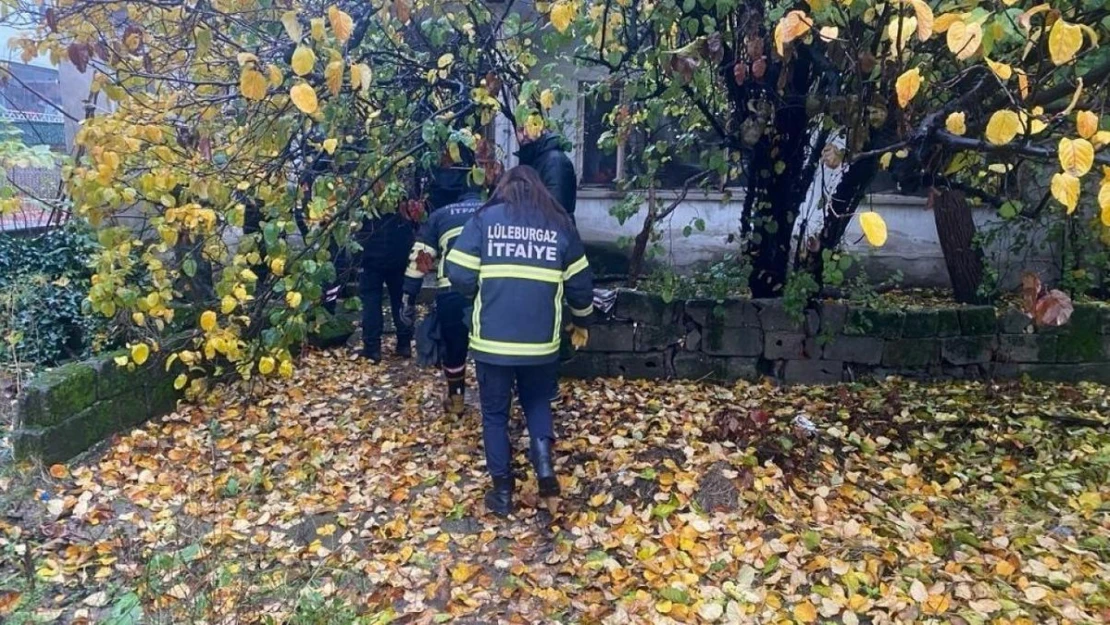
(518, 258)
(437, 237)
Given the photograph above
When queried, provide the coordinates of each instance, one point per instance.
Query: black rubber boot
(454, 403)
(499, 500)
(544, 464)
(373, 355)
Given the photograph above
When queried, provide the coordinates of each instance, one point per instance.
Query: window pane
(598, 166)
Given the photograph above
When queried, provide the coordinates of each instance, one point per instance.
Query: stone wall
(647, 338)
(64, 411)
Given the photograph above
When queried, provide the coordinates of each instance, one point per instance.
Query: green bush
(43, 283)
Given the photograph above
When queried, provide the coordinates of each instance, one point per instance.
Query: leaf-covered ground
(345, 496)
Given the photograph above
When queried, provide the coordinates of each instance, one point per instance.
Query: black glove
(408, 311)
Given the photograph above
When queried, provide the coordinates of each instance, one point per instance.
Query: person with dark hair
(437, 237)
(386, 240)
(518, 258)
(547, 155)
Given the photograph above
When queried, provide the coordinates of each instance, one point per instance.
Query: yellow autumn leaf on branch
(266, 365)
(874, 228)
(362, 78)
(304, 98)
(1064, 42)
(944, 22)
(907, 86)
(304, 59)
(561, 15)
(793, 25)
(1002, 127)
(1086, 122)
(547, 99)
(208, 320)
(341, 23)
(292, 26)
(900, 30)
(1065, 188)
(317, 29)
(925, 19)
(956, 123)
(275, 76)
(330, 145)
(964, 39)
(1101, 139)
(333, 75)
(1002, 70)
(293, 299)
(252, 84)
(1077, 156)
(140, 352)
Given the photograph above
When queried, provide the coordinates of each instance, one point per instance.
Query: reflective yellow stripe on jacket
(445, 240)
(520, 272)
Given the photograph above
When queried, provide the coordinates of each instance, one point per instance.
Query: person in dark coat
(547, 155)
(386, 241)
(518, 258)
(436, 239)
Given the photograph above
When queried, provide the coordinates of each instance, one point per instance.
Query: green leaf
(812, 539)
(126, 611)
(675, 595)
(1009, 210)
(189, 267)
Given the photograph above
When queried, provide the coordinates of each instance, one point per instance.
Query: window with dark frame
(599, 166)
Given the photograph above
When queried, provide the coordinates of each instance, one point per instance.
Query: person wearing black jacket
(437, 238)
(386, 241)
(547, 155)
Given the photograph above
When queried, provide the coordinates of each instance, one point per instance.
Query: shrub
(43, 284)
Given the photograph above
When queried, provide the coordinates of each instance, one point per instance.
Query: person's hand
(408, 311)
(578, 336)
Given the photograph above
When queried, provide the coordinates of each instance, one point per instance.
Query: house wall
(912, 248)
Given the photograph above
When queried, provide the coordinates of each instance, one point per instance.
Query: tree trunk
(640, 243)
(956, 231)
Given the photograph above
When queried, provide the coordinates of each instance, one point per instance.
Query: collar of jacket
(547, 142)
